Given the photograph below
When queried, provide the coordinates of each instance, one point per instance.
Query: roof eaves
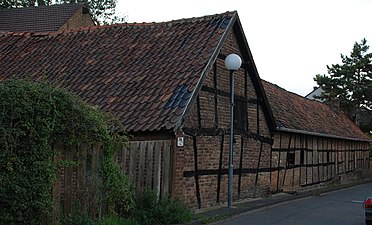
(284, 129)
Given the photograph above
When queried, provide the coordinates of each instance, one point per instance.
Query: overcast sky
(291, 40)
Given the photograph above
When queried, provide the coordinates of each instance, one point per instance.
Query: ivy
(68, 163)
(32, 117)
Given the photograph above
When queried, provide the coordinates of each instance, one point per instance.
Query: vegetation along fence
(147, 163)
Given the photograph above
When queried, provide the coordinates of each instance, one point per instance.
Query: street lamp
(232, 63)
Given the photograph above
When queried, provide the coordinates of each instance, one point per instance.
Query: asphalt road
(332, 208)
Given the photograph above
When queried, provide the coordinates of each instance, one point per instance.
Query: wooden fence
(147, 163)
(78, 181)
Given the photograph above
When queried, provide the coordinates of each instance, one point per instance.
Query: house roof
(144, 73)
(295, 113)
(315, 93)
(37, 19)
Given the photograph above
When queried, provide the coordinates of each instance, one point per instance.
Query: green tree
(349, 83)
(103, 11)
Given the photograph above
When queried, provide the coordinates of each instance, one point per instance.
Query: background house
(362, 117)
(45, 18)
(315, 93)
(168, 85)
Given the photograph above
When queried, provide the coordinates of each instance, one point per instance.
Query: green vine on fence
(32, 117)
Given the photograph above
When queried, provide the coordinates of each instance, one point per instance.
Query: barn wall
(201, 173)
(317, 161)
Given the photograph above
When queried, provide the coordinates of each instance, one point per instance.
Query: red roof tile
(294, 112)
(145, 73)
(37, 19)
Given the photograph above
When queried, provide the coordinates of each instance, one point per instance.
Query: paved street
(333, 208)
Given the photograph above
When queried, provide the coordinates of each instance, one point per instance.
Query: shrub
(165, 210)
(78, 218)
(115, 220)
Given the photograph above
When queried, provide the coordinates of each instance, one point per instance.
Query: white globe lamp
(233, 62)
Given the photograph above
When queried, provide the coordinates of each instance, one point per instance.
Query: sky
(291, 40)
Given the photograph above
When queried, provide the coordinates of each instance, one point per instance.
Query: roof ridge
(44, 6)
(200, 18)
(290, 92)
(120, 25)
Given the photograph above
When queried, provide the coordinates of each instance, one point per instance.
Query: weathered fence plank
(81, 174)
(150, 162)
(157, 170)
(68, 185)
(166, 167)
(141, 166)
(56, 192)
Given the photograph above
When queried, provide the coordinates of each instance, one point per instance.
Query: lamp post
(232, 63)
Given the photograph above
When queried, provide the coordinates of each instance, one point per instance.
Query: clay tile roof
(145, 74)
(37, 19)
(293, 112)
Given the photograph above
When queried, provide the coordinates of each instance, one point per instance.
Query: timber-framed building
(168, 85)
(312, 143)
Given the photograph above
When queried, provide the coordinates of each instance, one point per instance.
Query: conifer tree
(350, 83)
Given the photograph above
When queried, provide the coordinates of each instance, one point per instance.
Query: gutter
(284, 129)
